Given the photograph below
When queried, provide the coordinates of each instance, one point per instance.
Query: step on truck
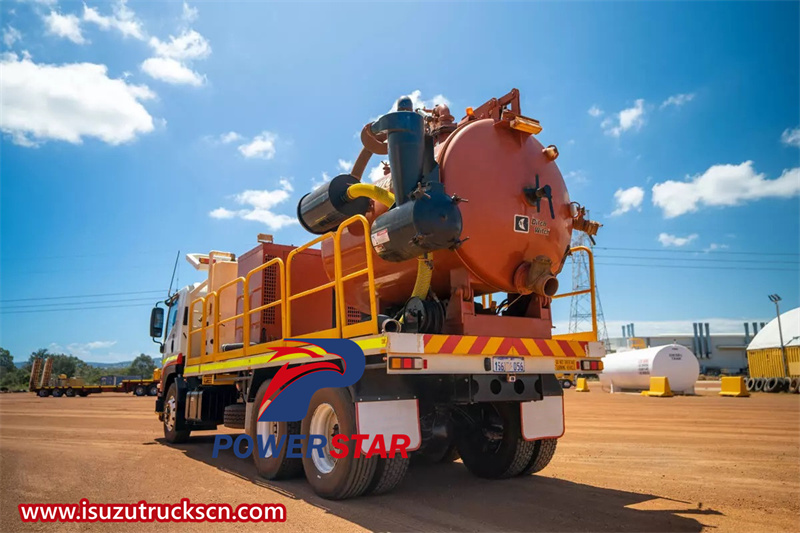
(443, 273)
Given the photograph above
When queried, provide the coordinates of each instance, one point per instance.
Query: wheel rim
(264, 430)
(170, 410)
(324, 422)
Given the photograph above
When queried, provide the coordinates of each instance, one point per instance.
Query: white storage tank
(632, 370)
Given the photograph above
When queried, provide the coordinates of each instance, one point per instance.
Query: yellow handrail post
(591, 290)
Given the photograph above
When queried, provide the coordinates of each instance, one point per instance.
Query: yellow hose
(424, 274)
(364, 190)
(425, 265)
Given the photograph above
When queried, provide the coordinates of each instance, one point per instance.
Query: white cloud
(69, 102)
(67, 26)
(123, 20)
(230, 137)
(677, 100)
(11, 35)
(673, 240)
(262, 146)
(82, 349)
(345, 166)
(172, 58)
(221, 212)
(189, 45)
(259, 206)
(628, 199)
(595, 111)
(189, 13)
(315, 184)
(575, 178)
(627, 119)
(418, 102)
(723, 185)
(376, 173)
(171, 71)
(791, 137)
(715, 246)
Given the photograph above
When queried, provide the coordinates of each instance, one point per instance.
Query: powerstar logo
(288, 396)
(290, 390)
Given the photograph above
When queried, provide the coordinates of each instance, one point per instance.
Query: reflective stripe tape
(478, 345)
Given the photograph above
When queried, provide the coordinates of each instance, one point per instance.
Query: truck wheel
(750, 384)
(332, 412)
(233, 417)
(57, 393)
(153, 390)
(275, 465)
(389, 473)
(543, 452)
(172, 417)
(69, 393)
(43, 393)
(140, 390)
(491, 445)
(793, 386)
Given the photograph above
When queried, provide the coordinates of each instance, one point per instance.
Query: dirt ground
(626, 463)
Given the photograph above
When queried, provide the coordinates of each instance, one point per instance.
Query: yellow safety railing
(281, 301)
(222, 321)
(336, 330)
(212, 319)
(367, 327)
(588, 335)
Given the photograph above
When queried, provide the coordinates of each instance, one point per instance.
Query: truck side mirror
(157, 322)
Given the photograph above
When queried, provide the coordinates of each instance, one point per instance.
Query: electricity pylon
(580, 308)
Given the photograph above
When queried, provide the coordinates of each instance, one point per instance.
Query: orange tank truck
(517, 221)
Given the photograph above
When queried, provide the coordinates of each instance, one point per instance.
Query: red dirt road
(626, 463)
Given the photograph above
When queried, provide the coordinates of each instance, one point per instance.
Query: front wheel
(173, 417)
(490, 441)
(330, 413)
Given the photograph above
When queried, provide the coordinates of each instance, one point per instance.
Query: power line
(699, 267)
(4, 312)
(35, 298)
(62, 304)
(712, 260)
(661, 250)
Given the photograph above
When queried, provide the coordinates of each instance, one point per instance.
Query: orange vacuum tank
(517, 217)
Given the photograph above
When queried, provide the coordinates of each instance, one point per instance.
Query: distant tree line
(13, 378)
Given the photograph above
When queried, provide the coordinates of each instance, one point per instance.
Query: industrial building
(723, 353)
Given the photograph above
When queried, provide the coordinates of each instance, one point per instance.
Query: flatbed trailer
(71, 387)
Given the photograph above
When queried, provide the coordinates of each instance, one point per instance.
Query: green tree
(142, 366)
(6, 361)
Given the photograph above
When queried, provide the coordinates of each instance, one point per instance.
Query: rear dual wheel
(57, 393)
(274, 464)
(490, 442)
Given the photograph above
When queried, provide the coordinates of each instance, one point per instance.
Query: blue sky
(131, 131)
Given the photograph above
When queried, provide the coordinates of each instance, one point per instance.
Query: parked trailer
(71, 387)
(773, 356)
(407, 270)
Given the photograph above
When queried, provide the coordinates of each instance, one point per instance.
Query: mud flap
(543, 419)
(388, 418)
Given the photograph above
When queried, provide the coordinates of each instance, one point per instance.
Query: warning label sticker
(380, 237)
(565, 364)
(522, 224)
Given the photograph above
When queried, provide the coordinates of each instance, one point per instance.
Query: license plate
(508, 364)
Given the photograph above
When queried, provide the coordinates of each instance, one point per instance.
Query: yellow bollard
(582, 385)
(659, 387)
(734, 386)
